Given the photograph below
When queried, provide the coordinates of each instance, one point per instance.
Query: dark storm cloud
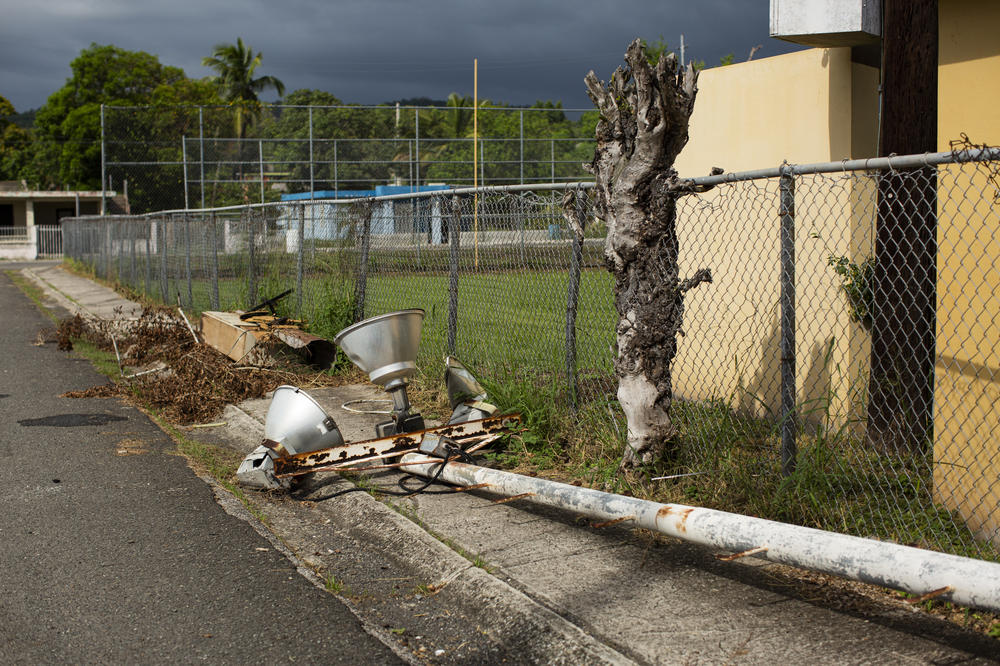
(371, 51)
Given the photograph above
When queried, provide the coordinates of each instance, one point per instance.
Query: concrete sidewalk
(81, 296)
(459, 579)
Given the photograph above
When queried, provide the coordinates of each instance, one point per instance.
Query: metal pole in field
(312, 161)
(104, 172)
(475, 153)
(335, 184)
(454, 232)
(201, 153)
(787, 259)
(184, 163)
(521, 152)
(260, 163)
(416, 142)
(552, 159)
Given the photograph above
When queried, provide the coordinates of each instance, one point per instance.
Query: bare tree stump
(644, 113)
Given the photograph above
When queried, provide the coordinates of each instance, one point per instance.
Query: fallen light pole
(921, 572)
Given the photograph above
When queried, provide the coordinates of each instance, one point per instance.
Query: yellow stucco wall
(967, 373)
(808, 106)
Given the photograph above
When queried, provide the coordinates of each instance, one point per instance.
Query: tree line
(61, 149)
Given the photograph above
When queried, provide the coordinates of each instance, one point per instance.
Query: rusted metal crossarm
(350, 466)
(353, 453)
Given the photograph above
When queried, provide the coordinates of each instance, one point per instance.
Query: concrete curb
(552, 638)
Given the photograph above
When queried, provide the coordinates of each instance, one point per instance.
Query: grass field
(506, 321)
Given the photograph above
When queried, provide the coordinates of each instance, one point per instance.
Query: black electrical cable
(454, 452)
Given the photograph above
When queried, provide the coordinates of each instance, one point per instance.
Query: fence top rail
(892, 162)
(383, 107)
(868, 164)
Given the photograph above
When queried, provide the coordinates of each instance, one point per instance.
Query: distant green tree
(343, 153)
(14, 144)
(655, 50)
(67, 146)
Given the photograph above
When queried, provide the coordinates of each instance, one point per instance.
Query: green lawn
(508, 321)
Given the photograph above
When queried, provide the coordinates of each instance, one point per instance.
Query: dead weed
(197, 381)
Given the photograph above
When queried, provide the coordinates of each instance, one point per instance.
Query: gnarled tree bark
(644, 113)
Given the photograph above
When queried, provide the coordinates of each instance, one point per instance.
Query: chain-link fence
(840, 371)
(166, 157)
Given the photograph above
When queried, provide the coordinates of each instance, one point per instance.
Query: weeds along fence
(841, 370)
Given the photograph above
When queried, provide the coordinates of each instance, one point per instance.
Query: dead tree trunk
(643, 125)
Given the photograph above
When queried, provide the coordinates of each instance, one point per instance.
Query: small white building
(24, 212)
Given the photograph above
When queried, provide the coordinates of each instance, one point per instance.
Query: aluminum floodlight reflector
(384, 346)
(297, 422)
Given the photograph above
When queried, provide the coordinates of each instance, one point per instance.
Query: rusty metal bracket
(341, 457)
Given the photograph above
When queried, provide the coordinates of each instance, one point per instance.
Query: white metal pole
(184, 162)
(951, 578)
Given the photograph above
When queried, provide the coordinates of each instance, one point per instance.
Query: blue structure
(379, 191)
(326, 221)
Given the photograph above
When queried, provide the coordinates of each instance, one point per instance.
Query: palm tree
(235, 65)
(461, 114)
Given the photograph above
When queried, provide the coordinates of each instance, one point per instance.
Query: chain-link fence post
(367, 210)
(454, 232)
(248, 217)
(788, 417)
(300, 260)
(575, 205)
(150, 230)
(187, 259)
(132, 233)
(164, 286)
(213, 235)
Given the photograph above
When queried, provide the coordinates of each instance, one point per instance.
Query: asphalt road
(112, 550)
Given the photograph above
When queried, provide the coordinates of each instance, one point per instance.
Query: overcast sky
(373, 51)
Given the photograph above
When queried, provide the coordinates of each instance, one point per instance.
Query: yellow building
(810, 106)
(967, 371)
(818, 105)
